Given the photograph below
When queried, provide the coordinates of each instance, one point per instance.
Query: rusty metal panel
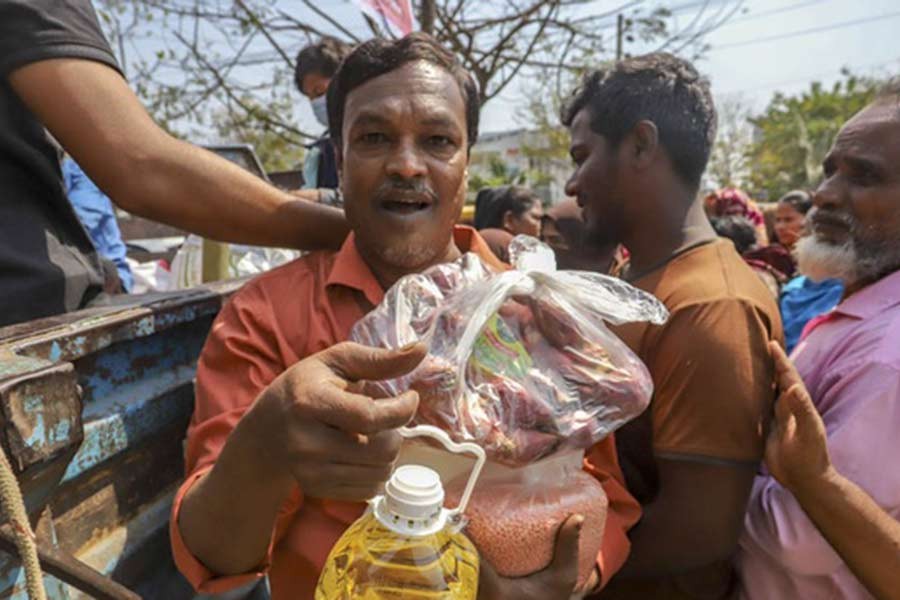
(93, 411)
(41, 413)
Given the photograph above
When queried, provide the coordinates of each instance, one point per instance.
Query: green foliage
(794, 134)
(498, 173)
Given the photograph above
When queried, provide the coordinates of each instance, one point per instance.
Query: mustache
(405, 187)
(829, 218)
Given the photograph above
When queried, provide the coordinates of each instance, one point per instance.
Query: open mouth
(406, 204)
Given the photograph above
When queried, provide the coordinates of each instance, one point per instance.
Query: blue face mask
(320, 109)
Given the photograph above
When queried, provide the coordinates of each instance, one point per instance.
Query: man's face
(857, 206)
(595, 182)
(314, 85)
(403, 164)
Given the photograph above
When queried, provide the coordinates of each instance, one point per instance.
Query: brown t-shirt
(713, 386)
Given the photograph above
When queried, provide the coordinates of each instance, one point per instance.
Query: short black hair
(499, 201)
(379, 56)
(800, 200)
(657, 87)
(323, 58)
(737, 229)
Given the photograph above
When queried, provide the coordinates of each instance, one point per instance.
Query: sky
(753, 72)
(772, 45)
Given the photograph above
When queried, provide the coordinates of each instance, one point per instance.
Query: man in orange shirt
(283, 449)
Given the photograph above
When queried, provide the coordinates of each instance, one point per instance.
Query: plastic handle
(460, 448)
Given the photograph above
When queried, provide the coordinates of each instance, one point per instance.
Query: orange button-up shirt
(276, 320)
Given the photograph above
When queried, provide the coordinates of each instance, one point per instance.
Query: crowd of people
(751, 475)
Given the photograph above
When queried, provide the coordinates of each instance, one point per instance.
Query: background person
(562, 228)
(642, 130)
(513, 208)
(96, 212)
(790, 217)
(314, 68)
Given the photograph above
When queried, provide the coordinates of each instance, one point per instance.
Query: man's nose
(406, 161)
(828, 194)
(571, 188)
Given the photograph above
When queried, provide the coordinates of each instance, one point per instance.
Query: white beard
(820, 260)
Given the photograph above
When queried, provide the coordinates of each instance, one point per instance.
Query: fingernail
(409, 347)
(579, 521)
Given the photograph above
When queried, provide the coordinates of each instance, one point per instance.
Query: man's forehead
(419, 85)
(874, 132)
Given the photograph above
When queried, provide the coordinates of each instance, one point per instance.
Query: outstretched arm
(93, 113)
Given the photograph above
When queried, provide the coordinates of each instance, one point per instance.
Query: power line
(809, 78)
(812, 30)
(767, 13)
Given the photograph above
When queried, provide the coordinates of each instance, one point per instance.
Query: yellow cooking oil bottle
(407, 545)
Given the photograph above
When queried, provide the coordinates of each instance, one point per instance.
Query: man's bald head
(889, 94)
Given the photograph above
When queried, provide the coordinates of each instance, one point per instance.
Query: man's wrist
(247, 458)
(808, 489)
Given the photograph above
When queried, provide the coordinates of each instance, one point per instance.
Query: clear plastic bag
(519, 362)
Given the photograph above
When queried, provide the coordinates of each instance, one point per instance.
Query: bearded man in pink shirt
(849, 359)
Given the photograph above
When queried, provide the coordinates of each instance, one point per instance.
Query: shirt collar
(873, 298)
(350, 270)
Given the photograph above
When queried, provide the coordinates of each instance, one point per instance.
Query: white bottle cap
(413, 502)
(413, 498)
(414, 492)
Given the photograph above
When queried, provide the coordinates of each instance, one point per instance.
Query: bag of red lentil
(520, 362)
(514, 514)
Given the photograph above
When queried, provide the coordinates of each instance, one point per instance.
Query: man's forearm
(228, 516)
(195, 190)
(90, 109)
(864, 535)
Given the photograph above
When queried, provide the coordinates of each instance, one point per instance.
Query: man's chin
(819, 259)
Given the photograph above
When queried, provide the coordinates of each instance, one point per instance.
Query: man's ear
(645, 140)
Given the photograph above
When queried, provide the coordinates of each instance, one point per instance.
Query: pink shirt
(850, 361)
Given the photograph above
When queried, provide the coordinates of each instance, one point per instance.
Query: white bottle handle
(460, 448)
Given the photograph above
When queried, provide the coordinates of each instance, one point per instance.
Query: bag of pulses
(521, 363)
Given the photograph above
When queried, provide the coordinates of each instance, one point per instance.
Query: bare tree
(196, 60)
(729, 163)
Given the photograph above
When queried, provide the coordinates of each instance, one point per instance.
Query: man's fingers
(334, 445)
(785, 372)
(355, 362)
(354, 413)
(565, 555)
(798, 403)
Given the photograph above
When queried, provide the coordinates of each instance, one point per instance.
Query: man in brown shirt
(641, 136)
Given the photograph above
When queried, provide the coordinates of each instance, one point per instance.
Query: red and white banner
(396, 15)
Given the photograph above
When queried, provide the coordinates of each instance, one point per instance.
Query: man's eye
(373, 138)
(440, 141)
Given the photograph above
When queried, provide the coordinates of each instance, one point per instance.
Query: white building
(515, 149)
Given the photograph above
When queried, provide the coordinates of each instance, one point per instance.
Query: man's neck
(667, 233)
(387, 274)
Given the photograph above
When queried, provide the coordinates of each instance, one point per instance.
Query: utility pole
(427, 16)
(620, 35)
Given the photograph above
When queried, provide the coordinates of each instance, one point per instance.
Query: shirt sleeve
(240, 359)
(862, 423)
(714, 381)
(624, 511)
(36, 30)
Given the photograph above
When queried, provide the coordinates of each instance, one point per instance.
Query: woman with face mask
(316, 64)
